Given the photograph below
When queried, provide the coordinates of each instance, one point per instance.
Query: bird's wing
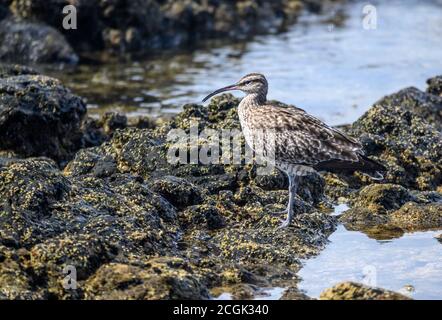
(299, 138)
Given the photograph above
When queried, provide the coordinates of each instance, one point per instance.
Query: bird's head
(253, 83)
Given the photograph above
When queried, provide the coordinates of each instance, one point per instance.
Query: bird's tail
(366, 165)
(371, 166)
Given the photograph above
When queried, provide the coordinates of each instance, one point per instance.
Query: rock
(30, 42)
(177, 191)
(420, 103)
(392, 210)
(97, 131)
(83, 252)
(240, 291)
(8, 70)
(93, 133)
(357, 291)
(112, 121)
(142, 122)
(15, 281)
(203, 214)
(32, 185)
(413, 216)
(255, 241)
(105, 167)
(62, 222)
(39, 117)
(160, 278)
(293, 293)
(403, 130)
(144, 25)
(435, 86)
(380, 198)
(275, 181)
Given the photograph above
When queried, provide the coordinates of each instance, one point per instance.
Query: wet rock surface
(136, 225)
(357, 291)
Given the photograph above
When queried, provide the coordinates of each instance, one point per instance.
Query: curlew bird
(296, 142)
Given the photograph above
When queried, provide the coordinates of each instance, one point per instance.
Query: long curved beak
(228, 88)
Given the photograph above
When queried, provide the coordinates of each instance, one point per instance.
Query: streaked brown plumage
(297, 142)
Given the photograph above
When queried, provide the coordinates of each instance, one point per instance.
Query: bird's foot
(289, 222)
(285, 223)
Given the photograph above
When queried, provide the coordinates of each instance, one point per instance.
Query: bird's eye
(248, 82)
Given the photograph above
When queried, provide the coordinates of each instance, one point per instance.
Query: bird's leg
(293, 186)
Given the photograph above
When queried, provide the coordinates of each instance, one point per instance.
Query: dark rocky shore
(32, 30)
(100, 195)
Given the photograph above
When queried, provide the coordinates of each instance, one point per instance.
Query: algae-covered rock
(381, 210)
(160, 278)
(420, 103)
(39, 117)
(177, 191)
(112, 121)
(62, 222)
(403, 130)
(413, 216)
(380, 198)
(293, 293)
(28, 189)
(15, 280)
(357, 291)
(200, 215)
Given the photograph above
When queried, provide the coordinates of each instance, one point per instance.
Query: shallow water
(335, 71)
(411, 265)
